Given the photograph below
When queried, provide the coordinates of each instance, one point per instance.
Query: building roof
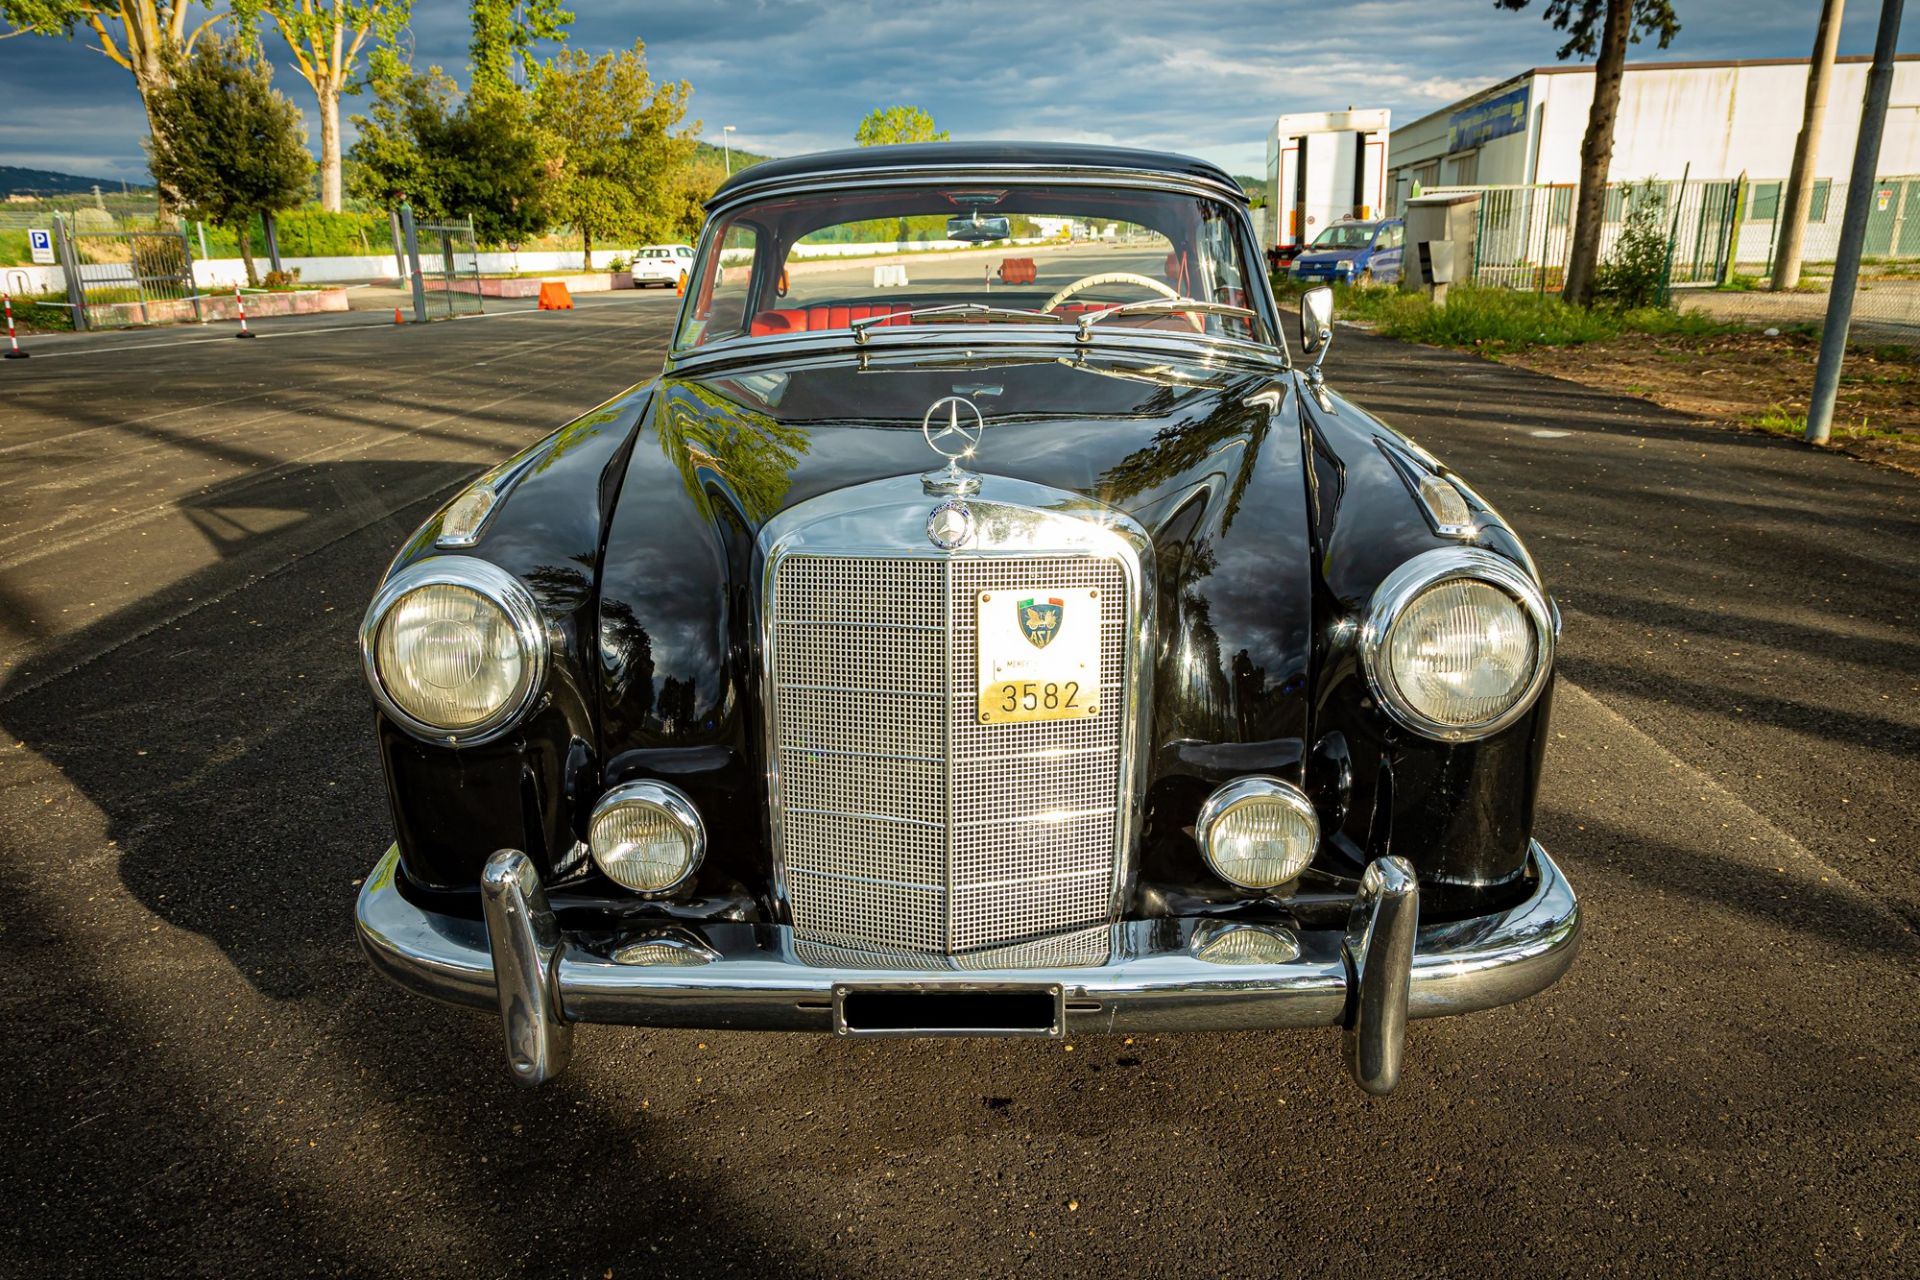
(1586, 68)
(975, 156)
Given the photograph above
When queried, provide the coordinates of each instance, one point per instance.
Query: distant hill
(713, 151)
(48, 182)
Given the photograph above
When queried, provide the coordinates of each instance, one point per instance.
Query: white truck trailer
(1323, 166)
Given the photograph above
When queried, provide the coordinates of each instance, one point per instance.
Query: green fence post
(1673, 238)
(1733, 228)
(1479, 233)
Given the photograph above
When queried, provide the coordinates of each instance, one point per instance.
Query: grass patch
(28, 318)
(1496, 320)
(1780, 421)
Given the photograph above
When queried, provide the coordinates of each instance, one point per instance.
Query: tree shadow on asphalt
(230, 755)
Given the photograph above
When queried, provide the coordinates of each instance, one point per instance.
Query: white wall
(1723, 120)
(1726, 121)
(221, 274)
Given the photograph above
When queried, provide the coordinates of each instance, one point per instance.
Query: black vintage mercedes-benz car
(1011, 640)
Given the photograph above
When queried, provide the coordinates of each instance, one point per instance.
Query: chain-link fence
(1722, 238)
(1887, 304)
(449, 268)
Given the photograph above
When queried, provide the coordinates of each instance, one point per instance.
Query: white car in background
(661, 264)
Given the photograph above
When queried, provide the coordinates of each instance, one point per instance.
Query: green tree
(145, 36)
(611, 154)
(326, 37)
(500, 50)
(1635, 271)
(229, 146)
(885, 125)
(689, 188)
(1605, 27)
(450, 159)
(388, 160)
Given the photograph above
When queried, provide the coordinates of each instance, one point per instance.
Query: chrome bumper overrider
(1369, 979)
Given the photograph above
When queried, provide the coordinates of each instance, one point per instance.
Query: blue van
(1354, 253)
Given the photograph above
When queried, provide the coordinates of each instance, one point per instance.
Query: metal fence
(1723, 235)
(127, 277)
(449, 267)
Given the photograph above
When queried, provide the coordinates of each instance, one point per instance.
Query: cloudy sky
(1206, 77)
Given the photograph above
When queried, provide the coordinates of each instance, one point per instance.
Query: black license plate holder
(942, 1009)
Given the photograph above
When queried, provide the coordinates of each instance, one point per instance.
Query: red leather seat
(807, 319)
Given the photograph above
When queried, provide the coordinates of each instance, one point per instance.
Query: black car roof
(972, 155)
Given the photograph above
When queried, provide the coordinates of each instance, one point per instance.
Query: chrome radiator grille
(902, 823)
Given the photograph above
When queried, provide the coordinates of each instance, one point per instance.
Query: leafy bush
(281, 279)
(1497, 320)
(619, 263)
(1634, 274)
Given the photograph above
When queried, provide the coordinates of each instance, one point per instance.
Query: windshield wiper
(861, 325)
(1150, 306)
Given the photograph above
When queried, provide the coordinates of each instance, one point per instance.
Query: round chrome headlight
(1458, 643)
(454, 649)
(1257, 833)
(647, 836)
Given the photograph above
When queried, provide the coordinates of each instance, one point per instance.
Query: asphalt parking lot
(203, 1076)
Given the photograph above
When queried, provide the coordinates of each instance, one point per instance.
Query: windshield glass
(1346, 235)
(819, 262)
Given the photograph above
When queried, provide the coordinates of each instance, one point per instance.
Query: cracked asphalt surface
(203, 1076)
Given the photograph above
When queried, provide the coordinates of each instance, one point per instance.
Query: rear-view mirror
(979, 230)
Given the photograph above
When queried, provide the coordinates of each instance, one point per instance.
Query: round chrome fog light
(1257, 833)
(646, 836)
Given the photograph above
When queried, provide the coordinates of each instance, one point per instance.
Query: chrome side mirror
(1316, 321)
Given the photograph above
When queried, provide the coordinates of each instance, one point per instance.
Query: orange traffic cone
(680, 286)
(396, 316)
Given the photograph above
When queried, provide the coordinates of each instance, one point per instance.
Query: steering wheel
(1123, 277)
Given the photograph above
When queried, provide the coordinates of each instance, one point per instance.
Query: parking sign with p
(40, 241)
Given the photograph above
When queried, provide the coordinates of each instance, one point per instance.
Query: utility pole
(1799, 196)
(726, 142)
(1853, 230)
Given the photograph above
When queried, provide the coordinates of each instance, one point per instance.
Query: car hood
(1206, 459)
(1321, 257)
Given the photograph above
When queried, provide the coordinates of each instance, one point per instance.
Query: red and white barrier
(239, 302)
(13, 342)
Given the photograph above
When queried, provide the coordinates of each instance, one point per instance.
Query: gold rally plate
(1039, 655)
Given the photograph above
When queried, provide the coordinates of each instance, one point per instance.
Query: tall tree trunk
(1596, 154)
(586, 248)
(148, 79)
(245, 233)
(327, 92)
(1799, 195)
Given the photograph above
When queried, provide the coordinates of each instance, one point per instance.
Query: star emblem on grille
(950, 525)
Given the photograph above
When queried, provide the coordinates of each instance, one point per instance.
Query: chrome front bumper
(1382, 970)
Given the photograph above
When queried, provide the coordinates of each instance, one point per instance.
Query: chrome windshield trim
(1041, 340)
(1259, 287)
(1073, 175)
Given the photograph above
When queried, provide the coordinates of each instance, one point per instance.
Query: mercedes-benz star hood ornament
(952, 428)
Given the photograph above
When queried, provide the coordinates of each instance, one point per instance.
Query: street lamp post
(726, 142)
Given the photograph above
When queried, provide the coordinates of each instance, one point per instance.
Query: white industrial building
(1721, 118)
(1713, 122)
